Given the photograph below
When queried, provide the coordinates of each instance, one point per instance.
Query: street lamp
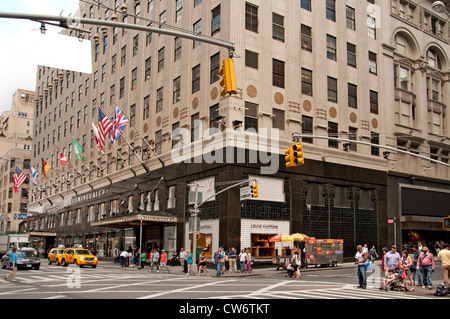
(439, 6)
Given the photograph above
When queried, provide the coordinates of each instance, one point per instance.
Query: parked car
(80, 257)
(26, 258)
(55, 256)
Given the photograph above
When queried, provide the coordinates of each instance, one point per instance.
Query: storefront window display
(130, 239)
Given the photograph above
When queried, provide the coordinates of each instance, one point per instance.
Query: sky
(16, 71)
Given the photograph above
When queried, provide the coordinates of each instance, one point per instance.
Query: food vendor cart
(324, 252)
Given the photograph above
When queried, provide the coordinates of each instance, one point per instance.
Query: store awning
(41, 234)
(135, 220)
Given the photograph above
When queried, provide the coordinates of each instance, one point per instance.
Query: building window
(375, 139)
(133, 79)
(333, 132)
(306, 4)
(177, 54)
(352, 96)
(332, 90)
(179, 10)
(215, 21)
(146, 109)
(160, 59)
(251, 116)
(123, 55)
(371, 27)
(373, 63)
(251, 17)
(278, 73)
(351, 55)
(353, 135)
(251, 59)
(306, 38)
(278, 119)
(196, 79)
(195, 127)
(277, 27)
(350, 18)
(121, 88)
(213, 114)
(307, 82)
(135, 45)
(331, 47)
(159, 100)
(176, 90)
(331, 10)
(215, 67)
(197, 31)
(148, 68)
(373, 102)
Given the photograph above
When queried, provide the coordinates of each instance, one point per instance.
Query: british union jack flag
(120, 121)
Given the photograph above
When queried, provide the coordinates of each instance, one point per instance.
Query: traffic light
(254, 190)
(298, 154)
(446, 223)
(294, 155)
(290, 157)
(228, 82)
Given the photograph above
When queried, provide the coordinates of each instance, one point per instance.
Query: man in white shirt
(123, 258)
(183, 256)
(361, 260)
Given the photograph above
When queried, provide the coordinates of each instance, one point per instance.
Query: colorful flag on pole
(18, 178)
(104, 125)
(34, 174)
(120, 121)
(62, 158)
(100, 142)
(77, 148)
(45, 168)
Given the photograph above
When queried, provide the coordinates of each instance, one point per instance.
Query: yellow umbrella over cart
(281, 238)
(300, 237)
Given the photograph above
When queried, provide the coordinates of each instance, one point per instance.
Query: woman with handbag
(405, 266)
(295, 264)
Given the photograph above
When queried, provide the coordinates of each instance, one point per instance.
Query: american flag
(104, 125)
(18, 178)
(120, 121)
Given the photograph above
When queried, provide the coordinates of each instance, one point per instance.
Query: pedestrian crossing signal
(446, 223)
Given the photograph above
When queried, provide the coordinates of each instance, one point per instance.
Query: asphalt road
(110, 281)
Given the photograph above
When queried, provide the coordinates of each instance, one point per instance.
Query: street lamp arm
(223, 190)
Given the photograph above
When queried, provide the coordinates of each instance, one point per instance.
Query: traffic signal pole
(68, 22)
(393, 149)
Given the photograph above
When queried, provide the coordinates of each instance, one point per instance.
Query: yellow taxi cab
(55, 255)
(78, 256)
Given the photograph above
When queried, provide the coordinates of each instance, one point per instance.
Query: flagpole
(132, 149)
(81, 175)
(99, 167)
(134, 173)
(148, 144)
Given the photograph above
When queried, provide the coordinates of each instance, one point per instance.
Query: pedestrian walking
(12, 265)
(222, 262)
(426, 265)
(218, 259)
(232, 255)
(382, 261)
(249, 261)
(444, 259)
(155, 260)
(164, 261)
(414, 268)
(183, 256)
(360, 262)
(242, 260)
(189, 262)
(143, 259)
(405, 264)
(202, 264)
(373, 254)
(295, 264)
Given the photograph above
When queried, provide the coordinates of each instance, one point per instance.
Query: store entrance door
(150, 245)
